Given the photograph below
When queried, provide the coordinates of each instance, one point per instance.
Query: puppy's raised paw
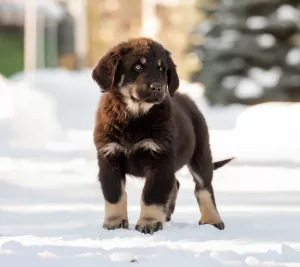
(150, 226)
(115, 223)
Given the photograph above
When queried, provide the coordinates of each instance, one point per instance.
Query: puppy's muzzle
(155, 87)
(154, 93)
(149, 92)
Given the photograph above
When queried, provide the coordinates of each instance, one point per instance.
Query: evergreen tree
(249, 52)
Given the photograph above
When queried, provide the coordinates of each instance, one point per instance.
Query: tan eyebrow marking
(143, 60)
(159, 62)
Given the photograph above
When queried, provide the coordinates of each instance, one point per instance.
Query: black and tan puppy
(146, 129)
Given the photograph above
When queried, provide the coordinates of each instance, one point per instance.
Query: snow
(248, 88)
(268, 132)
(266, 40)
(229, 38)
(256, 22)
(266, 78)
(51, 206)
(68, 232)
(288, 13)
(194, 90)
(230, 82)
(6, 104)
(293, 57)
(47, 254)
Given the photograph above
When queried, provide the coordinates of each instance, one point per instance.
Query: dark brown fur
(146, 129)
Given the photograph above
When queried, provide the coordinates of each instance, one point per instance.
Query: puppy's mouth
(139, 96)
(145, 100)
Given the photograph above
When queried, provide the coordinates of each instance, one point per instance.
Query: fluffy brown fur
(145, 128)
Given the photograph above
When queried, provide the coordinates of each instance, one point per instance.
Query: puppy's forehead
(145, 54)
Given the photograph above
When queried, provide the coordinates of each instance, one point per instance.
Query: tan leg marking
(151, 218)
(116, 214)
(207, 208)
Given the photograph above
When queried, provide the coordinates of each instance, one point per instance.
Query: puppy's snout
(156, 87)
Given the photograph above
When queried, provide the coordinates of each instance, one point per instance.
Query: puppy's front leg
(112, 179)
(158, 186)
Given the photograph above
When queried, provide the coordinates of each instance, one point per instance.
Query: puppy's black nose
(155, 87)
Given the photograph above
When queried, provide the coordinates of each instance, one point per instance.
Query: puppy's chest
(134, 138)
(129, 140)
(131, 133)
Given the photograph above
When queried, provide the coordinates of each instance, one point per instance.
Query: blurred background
(238, 59)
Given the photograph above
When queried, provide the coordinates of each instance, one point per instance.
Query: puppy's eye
(160, 68)
(138, 68)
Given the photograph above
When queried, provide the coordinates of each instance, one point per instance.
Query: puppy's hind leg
(170, 207)
(202, 171)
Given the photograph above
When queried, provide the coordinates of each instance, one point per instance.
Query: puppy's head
(141, 71)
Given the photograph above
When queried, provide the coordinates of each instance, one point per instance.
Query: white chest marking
(147, 144)
(111, 149)
(115, 148)
(136, 108)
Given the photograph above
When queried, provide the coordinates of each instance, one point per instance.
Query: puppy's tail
(221, 163)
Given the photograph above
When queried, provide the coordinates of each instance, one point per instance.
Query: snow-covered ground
(51, 207)
(52, 212)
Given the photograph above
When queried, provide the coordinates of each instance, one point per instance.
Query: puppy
(145, 128)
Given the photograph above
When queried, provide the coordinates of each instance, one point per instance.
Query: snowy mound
(29, 118)
(270, 131)
(75, 94)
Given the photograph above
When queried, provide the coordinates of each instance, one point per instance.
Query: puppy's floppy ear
(104, 72)
(173, 79)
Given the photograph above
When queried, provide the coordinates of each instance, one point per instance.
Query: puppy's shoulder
(110, 109)
(110, 115)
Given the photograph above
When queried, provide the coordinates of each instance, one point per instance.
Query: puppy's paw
(168, 218)
(148, 226)
(169, 212)
(115, 223)
(219, 225)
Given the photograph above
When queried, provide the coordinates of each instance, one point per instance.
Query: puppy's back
(190, 114)
(188, 106)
